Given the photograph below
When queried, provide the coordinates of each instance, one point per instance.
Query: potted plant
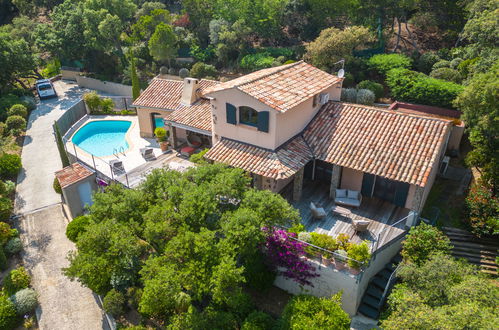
(327, 243)
(340, 258)
(307, 238)
(359, 255)
(162, 136)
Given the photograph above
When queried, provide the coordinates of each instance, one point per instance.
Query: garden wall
(104, 86)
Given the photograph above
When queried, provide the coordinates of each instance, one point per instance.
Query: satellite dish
(341, 73)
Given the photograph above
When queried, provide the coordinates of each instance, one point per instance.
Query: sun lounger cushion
(353, 194)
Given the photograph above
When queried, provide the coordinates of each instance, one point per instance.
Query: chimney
(189, 96)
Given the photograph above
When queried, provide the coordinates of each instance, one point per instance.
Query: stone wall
(111, 88)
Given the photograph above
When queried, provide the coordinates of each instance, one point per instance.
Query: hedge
(382, 63)
(373, 86)
(416, 87)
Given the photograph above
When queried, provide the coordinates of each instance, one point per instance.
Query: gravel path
(63, 304)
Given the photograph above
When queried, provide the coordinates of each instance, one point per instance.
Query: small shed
(77, 184)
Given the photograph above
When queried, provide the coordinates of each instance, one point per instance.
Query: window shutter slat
(231, 113)
(263, 121)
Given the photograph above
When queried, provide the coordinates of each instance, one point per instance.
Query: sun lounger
(117, 166)
(147, 153)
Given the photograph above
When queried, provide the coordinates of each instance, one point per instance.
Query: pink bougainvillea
(286, 253)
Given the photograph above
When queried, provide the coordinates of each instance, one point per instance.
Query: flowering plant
(286, 253)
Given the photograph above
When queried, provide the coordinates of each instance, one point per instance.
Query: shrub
(411, 86)
(309, 312)
(5, 232)
(13, 246)
(299, 227)
(466, 66)
(360, 253)
(163, 70)
(9, 165)
(5, 209)
(305, 236)
(57, 186)
(114, 303)
(441, 64)
(3, 261)
(183, 73)
(324, 241)
(172, 71)
(16, 280)
(423, 241)
(258, 61)
(240, 304)
(454, 64)
(3, 188)
(373, 86)
(24, 301)
(18, 110)
(3, 129)
(107, 105)
(160, 133)
(76, 227)
(382, 63)
(257, 320)
(202, 70)
(426, 62)
(8, 317)
(198, 158)
(482, 209)
(92, 100)
(9, 187)
(365, 96)
(349, 95)
(447, 74)
(15, 122)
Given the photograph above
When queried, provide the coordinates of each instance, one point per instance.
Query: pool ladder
(119, 151)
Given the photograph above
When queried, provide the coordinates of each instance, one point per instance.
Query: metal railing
(401, 223)
(388, 286)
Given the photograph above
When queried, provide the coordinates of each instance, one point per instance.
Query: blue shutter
(367, 185)
(231, 113)
(263, 121)
(401, 193)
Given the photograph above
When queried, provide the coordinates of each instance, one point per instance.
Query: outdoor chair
(360, 225)
(147, 153)
(317, 211)
(117, 166)
(194, 141)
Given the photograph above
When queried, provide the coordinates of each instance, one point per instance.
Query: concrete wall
(67, 74)
(111, 88)
(332, 281)
(145, 121)
(72, 196)
(351, 179)
(282, 126)
(456, 135)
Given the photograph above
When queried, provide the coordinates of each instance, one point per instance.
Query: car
(45, 89)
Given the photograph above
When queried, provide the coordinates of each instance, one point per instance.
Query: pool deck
(136, 167)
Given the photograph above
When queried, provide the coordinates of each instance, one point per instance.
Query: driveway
(63, 304)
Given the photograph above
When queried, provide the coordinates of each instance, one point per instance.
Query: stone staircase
(479, 251)
(371, 302)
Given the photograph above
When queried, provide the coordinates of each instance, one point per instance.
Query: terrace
(387, 221)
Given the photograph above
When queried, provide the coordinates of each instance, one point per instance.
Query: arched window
(248, 116)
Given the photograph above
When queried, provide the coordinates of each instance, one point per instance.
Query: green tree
(423, 241)
(442, 293)
(163, 43)
(134, 78)
(334, 44)
(309, 312)
(479, 104)
(60, 146)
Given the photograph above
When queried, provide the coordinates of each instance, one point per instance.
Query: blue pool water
(158, 122)
(100, 138)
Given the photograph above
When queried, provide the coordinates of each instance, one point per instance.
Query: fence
(122, 103)
(71, 116)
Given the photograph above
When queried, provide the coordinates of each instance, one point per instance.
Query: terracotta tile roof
(166, 94)
(393, 145)
(72, 174)
(279, 164)
(281, 87)
(198, 115)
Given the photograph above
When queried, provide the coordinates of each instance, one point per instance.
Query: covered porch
(386, 220)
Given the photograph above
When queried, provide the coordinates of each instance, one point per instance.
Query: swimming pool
(102, 137)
